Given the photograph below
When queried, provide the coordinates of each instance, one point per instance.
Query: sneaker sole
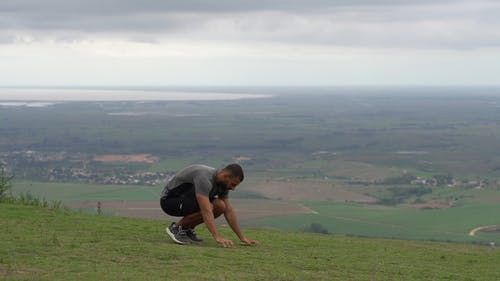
(172, 236)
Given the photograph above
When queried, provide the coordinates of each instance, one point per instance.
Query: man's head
(230, 176)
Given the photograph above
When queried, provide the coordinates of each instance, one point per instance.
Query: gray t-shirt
(203, 179)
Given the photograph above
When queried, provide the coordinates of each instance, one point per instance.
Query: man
(199, 193)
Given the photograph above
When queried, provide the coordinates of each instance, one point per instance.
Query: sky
(249, 42)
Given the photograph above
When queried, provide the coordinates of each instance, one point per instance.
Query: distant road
(473, 232)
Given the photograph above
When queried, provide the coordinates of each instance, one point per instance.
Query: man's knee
(219, 206)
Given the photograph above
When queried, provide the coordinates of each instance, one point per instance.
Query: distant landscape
(408, 163)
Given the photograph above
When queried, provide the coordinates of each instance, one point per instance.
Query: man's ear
(226, 174)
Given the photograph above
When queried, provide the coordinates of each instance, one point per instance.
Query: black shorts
(180, 202)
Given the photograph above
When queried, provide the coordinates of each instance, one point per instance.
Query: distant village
(80, 167)
(83, 175)
(62, 169)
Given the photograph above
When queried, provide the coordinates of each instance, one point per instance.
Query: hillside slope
(44, 244)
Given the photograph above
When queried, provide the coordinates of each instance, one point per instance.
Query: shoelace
(182, 232)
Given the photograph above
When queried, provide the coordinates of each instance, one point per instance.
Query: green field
(402, 222)
(81, 192)
(67, 192)
(43, 244)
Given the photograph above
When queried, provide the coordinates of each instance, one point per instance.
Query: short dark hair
(235, 170)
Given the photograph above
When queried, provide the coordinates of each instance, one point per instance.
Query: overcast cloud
(383, 23)
(356, 41)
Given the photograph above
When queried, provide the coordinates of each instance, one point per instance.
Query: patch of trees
(316, 228)
(435, 180)
(403, 179)
(5, 183)
(398, 195)
(443, 179)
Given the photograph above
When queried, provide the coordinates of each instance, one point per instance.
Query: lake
(14, 96)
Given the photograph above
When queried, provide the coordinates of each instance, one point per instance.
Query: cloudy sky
(249, 42)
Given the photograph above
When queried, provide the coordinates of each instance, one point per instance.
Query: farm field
(67, 192)
(400, 222)
(246, 209)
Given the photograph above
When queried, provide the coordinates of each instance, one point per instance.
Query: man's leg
(173, 207)
(194, 219)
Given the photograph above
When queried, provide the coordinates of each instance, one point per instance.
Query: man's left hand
(247, 241)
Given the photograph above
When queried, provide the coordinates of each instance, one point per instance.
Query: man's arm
(208, 217)
(231, 219)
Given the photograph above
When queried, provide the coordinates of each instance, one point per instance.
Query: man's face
(229, 182)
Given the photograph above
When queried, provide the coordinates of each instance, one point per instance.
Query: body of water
(43, 97)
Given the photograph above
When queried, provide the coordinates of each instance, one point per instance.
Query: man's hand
(225, 242)
(247, 241)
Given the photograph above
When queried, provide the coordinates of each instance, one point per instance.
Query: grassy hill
(403, 221)
(44, 244)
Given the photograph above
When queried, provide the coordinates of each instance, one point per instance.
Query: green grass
(43, 244)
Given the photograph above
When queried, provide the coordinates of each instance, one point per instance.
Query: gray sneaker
(178, 234)
(191, 233)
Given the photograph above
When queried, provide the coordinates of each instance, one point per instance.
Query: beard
(223, 185)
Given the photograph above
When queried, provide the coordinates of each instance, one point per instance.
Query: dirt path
(473, 232)
(368, 221)
(308, 210)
